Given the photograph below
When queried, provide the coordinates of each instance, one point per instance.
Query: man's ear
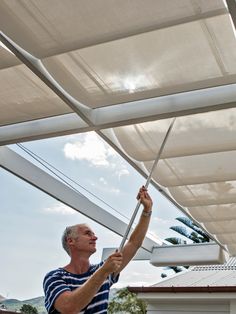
(69, 240)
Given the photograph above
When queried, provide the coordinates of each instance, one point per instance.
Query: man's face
(86, 240)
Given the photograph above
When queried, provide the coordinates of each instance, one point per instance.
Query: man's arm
(136, 239)
(72, 302)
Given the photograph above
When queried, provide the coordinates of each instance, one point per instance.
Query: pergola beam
(169, 106)
(181, 104)
(24, 169)
(55, 126)
(209, 99)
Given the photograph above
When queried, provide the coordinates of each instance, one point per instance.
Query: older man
(80, 287)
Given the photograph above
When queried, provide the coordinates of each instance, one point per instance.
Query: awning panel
(196, 167)
(192, 135)
(214, 212)
(38, 26)
(25, 97)
(124, 69)
(205, 194)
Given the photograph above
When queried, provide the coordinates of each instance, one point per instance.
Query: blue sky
(32, 222)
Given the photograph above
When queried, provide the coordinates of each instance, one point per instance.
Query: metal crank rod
(146, 185)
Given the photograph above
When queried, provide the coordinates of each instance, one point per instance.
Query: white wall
(189, 308)
(233, 307)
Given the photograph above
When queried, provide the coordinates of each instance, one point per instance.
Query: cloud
(122, 172)
(102, 180)
(161, 220)
(60, 209)
(154, 236)
(105, 187)
(115, 191)
(90, 148)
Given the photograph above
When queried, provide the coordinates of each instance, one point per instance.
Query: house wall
(188, 308)
(233, 307)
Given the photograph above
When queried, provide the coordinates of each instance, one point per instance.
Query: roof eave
(206, 289)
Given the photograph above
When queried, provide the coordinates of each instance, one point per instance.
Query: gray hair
(71, 231)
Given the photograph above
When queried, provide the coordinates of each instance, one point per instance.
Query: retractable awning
(135, 65)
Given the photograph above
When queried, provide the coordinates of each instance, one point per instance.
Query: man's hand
(74, 301)
(145, 199)
(113, 263)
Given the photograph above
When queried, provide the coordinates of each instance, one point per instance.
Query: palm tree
(188, 222)
(197, 236)
(176, 241)
(194, 236)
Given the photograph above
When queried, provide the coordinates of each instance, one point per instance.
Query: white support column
(30, 173)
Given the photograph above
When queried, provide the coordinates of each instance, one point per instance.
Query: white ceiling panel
(232, 249)
(124, 70)
(25, 97)
(222, 227)
(205, 194)
(196, 169)
(214, 212)
(130, 55)
(7, 59)
(191, 135)
(51, 27)
(228, 238)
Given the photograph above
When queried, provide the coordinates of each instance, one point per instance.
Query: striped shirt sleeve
(53, 286)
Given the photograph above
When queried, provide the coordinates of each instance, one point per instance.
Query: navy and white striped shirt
(59, 280)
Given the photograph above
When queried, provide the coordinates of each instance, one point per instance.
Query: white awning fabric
(107, 53)
(197, 165)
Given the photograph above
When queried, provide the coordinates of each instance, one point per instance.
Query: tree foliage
(28, 309)
(176, 241)
(197, 236)
(126, 302)
(188, 222)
